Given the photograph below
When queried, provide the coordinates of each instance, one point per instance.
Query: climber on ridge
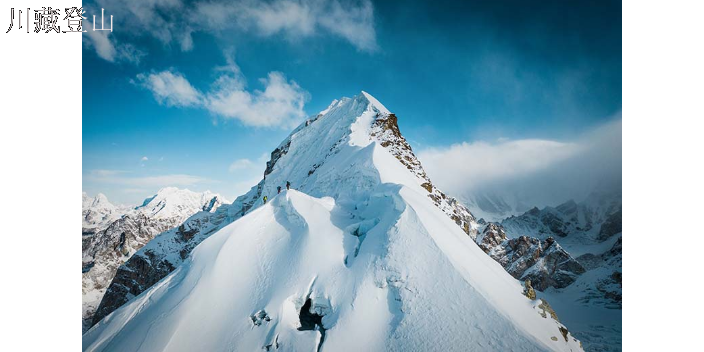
(288, 185)
(265, 199)
(278, 189)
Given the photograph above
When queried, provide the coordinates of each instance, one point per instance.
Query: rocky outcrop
(607, 287)
(158, 258)
(106, 250)
(492, 237)
(544, 263)
(528, 290)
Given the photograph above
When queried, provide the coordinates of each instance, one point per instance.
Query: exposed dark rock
(544, 263)
(186, 233)
(259, 318)
(492, 236)
(311, 321)
(554, 223)
(547, 309)
(386, 131)
(129, 281)
(611, 226)
(564, 332)
(275, 156)
(590, 261)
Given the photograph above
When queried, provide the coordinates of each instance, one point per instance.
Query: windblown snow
(355, 257)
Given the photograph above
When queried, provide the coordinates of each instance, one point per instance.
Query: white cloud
(102, 44)
(542, 172)
(471, 165)
(288, 16)
(107, 48)
(279, 104)
(355, 24)
(162, 19)
(174, 21)
(144, 158)
(296, 19)
(105, 173)
(121, 178)
(240, 164)
(170, 88)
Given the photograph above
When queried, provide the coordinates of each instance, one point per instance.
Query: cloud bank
(538, 172)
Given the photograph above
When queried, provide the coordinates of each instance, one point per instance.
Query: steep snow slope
(372, 258)
(111, 245)
(319, 158)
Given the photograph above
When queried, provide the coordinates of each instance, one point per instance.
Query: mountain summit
(362, 254)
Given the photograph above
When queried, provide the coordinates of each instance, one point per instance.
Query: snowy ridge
(364, 246)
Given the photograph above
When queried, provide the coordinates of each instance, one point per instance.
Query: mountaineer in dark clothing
(278, 189)
(288, 185)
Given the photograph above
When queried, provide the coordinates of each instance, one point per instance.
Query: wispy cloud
(175, 21)
(279, 104)
(109, 49)
(122, 178)
(170, 88)
(296, 19)
(105, 173)
(545, 172)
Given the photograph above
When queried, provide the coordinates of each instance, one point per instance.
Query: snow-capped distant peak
(171, 202)
(375, 103)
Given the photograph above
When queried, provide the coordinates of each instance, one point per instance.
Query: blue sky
(195, 94)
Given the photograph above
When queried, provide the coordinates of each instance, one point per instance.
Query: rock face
(585, 228)
(595, 219)
(611, 226)
(385, 130)
(606, 288)
(168, 250)
(544, 263)
(105, 250)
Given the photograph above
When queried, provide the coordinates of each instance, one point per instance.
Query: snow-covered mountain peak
(101, 201)
(375, 103)
(170, 202)
(362, 245)
(98, 212)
